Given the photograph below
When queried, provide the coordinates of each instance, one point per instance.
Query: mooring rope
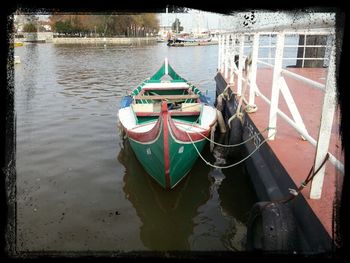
(234, 145)
(294, 193)
(231, 165)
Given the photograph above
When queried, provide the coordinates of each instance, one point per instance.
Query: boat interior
(183, 104)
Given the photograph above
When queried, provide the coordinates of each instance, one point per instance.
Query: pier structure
(289, 89)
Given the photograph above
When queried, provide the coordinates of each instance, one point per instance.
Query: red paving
(295, 154)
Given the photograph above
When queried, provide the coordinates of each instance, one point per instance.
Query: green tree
(31, 24)
(30, 27)
(106, 25)
(63, 27)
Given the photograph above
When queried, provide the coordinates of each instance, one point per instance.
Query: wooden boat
(166, 123)
(191, 41)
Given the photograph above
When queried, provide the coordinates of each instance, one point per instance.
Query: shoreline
(48, 38)
(102, 40)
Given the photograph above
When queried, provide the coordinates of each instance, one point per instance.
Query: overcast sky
(249, 20)
(193, 20)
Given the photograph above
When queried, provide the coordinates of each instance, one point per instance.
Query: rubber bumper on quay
(271, 227)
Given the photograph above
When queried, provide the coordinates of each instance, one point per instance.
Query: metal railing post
(232, 62)
(222, 54)
(240, 64)
(254, 67)
(227, 55)
(219, 52)
(275, 85)
(292, 106)
(304, 47)
(324, 136)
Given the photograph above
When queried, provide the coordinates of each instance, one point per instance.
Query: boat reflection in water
(166, 215)
(207, 211)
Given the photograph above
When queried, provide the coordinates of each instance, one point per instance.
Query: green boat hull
(181, 155)
(167, 151)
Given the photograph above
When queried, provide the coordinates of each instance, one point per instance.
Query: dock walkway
(295, 154)
(300, 104)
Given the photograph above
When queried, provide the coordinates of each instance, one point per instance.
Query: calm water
(79, 185)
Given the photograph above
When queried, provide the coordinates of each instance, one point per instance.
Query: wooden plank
(165, 88)
(168, 97)
(172, 113)
(166, 85)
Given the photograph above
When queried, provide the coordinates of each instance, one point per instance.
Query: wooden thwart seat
(166, 97)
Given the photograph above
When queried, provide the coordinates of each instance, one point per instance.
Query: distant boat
(166, 123)
(18, 44)
(192, 40)
(161, 40)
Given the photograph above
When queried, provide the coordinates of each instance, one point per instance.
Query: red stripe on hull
(145, 136)
(183, 136)
(166, 144)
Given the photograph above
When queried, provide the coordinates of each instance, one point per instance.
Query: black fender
(235, 138)
(271, 227)
(236, 131)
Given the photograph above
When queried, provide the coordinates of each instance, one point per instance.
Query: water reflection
(30, 52)
(221, 222)
(166, 215)
(207, 211)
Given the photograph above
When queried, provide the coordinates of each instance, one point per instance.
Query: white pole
(254, 67)
(219, 52)
(240, 64)
(222, 54)
(275, 85)
(303, 61)
(306, 80)
(232, 79)
(324, 135)
(291, 105)
(227, 55)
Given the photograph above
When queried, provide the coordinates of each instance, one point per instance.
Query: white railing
(232, 44)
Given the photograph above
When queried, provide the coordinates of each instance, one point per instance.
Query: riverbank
(106, 40)
(47, 37)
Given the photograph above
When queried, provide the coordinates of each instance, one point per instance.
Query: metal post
(292, 106)
(227, 55)
(232, 64)
(219, 52)
(240, 64)
(303, 61)
(275, 85)
(324, 135)
(222, 54)
(254, 67)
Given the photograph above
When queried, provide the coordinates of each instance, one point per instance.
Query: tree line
(138, 25)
